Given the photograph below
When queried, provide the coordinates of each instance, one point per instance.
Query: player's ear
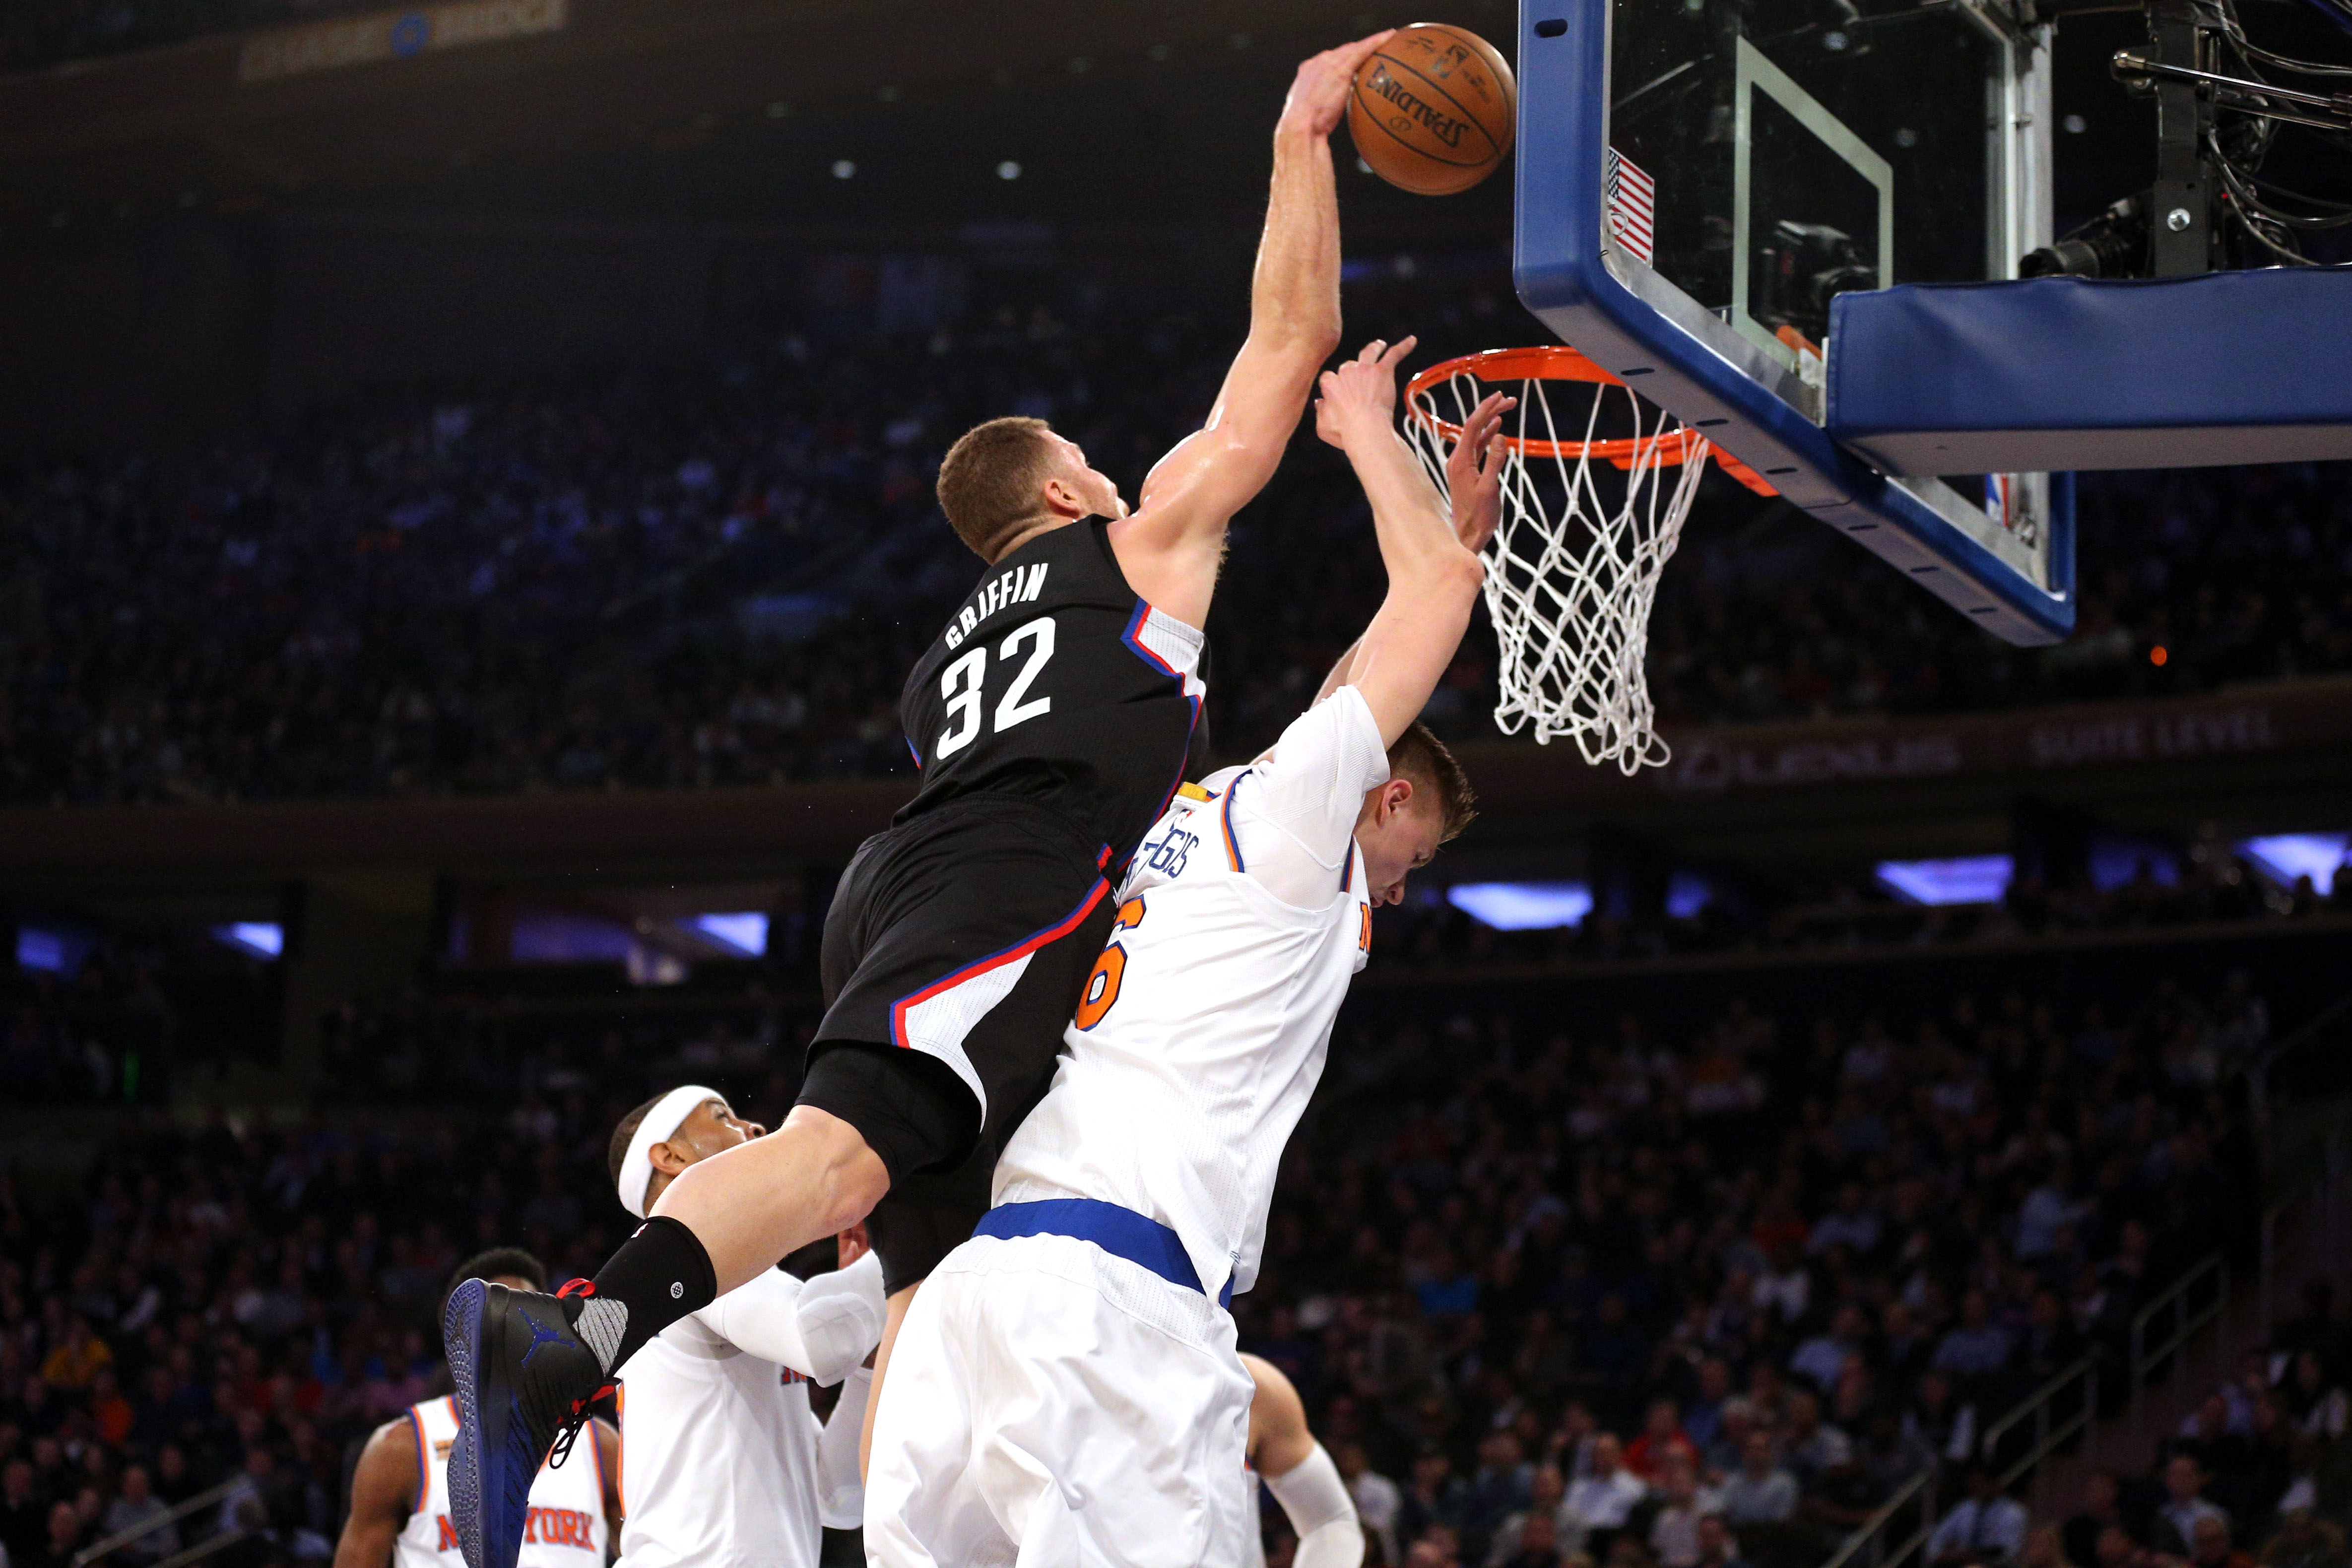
(667, 1158)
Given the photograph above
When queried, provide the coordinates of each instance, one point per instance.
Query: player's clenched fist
(1359, 399)
(1318, 94)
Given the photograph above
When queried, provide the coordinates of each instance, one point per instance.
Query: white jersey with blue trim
(725, 1464)
(1204, 1025)
(566, 1527)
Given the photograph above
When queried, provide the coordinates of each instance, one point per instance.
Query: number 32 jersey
(1055, 683)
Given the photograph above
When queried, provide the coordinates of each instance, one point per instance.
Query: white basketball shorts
(1050, 1406)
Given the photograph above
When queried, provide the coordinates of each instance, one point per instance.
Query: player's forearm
(1295, 292)
(1409, 517)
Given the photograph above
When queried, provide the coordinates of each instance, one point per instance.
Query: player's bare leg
(527, 1366)
(810, 1178)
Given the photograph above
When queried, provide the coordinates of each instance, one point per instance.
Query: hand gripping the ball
(1318, 94)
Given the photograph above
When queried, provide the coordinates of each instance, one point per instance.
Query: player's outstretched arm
(1430, 551)
(1170, 547)
(1474, 492)
(383, 1488)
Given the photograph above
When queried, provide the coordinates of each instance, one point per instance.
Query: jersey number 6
(1102, 985)
(960, 683)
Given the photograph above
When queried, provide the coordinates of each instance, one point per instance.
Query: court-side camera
(1802, 266)
(2112, 245)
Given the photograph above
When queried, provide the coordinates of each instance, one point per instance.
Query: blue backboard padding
(1558, 270)
(2073, 373)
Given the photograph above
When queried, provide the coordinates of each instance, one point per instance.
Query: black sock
(660, 1274)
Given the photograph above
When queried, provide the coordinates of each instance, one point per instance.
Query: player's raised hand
(1318, 94)
(1359, 399)
(1473, 472)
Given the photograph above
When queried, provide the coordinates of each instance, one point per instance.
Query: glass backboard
(1699, 179)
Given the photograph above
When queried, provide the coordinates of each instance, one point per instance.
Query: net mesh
(1592, 513)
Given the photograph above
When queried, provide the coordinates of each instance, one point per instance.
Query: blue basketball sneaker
(527, 1369)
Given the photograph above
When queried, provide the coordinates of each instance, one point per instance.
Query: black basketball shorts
(956, 950)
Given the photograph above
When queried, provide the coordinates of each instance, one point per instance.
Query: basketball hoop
(1573, 567)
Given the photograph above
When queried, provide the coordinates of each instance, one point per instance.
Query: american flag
(1633, 206)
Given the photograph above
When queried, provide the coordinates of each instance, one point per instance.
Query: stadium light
(255, 938)
(43, 951)
(2283, 856)
(746, 933)
(1522, 906)
(1964, 879)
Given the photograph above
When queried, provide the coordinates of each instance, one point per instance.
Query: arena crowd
(719, 572)
(1549, 1293)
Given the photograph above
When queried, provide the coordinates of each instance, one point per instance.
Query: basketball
(1433, 111)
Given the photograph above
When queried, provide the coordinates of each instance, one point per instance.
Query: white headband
(637, 1164)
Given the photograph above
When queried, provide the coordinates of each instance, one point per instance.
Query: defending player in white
(1067, 1389)
(400, 1492)
(1294, 1466)
(727, 1464)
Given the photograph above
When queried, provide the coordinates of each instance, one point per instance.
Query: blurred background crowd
(718, 572)
(1551, 1284)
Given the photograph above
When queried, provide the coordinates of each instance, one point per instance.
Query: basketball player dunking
(1052, 719)
(400, 1492)
(1068, 1389)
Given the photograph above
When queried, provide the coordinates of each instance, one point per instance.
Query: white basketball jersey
(566, 1528)
(722, 1453)
(1204, 1025)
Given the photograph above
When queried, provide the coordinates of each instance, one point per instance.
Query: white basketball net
(1573, 566)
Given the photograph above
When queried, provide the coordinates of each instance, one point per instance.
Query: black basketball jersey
(1055, 683)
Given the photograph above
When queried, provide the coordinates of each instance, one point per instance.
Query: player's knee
(854, 1177)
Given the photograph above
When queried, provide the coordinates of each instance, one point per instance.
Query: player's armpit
(1170, 547)
(383, 1491)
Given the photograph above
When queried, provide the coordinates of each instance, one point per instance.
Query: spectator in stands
(1812, 1447)
(1599, 1504)
(1376, 1497)
(1821, 1358)
(1759, 1491)
(1662, 1442)
(1673, 1529)
(2318, 1403)
(2102, 1509)
(1546, 1495)
(134, 1506)
(1717, 1547)
(62, 1540)
(2210, 1545)
(1976, 1347)
(2304, 1540)
(2044, 1548)
(1702, 1418)
(1538, 1545)
(1435, 1497)
(1985, 1528)
(1851, 1225)
(2174, 1531)
(24, 1511)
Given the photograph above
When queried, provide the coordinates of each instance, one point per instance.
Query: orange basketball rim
(1558, 361)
